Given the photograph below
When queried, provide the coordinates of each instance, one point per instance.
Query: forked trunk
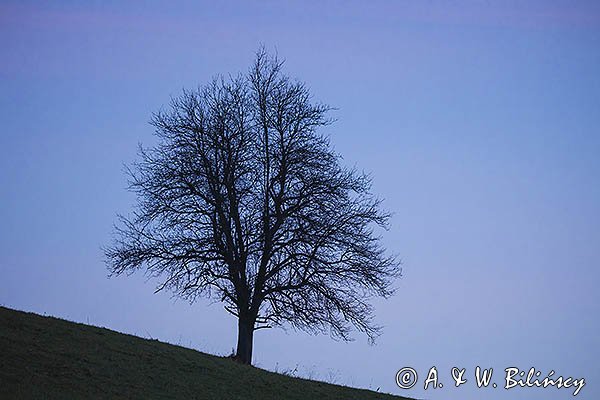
(245, 339)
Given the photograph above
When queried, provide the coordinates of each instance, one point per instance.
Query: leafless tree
(243, 201)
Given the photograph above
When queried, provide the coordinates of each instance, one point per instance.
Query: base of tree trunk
(245, 338)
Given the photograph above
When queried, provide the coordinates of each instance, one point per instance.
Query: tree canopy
(243, 200)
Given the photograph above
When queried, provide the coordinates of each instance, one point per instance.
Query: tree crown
(244, 201)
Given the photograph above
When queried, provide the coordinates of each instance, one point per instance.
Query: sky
(478, 120)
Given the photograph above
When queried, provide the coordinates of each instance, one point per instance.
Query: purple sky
(478, 120)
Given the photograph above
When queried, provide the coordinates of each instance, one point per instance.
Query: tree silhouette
(244, 202)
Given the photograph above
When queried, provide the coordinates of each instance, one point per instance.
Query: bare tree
(244, 202)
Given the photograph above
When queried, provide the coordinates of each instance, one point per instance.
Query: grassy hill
(49, 358)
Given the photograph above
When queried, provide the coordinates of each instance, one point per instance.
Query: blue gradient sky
(479, 121)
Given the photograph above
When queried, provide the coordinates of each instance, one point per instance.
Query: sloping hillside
(49, 358)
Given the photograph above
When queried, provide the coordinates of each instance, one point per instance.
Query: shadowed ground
(49, 358)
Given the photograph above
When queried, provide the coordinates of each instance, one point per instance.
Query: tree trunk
(245, 338)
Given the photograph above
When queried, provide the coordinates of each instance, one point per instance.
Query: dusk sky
(478, 120)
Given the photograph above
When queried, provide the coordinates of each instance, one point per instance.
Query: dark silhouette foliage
(245, 202)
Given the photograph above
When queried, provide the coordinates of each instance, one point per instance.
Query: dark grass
(50, 358)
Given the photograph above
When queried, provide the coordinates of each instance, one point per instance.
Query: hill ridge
(52, 358)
